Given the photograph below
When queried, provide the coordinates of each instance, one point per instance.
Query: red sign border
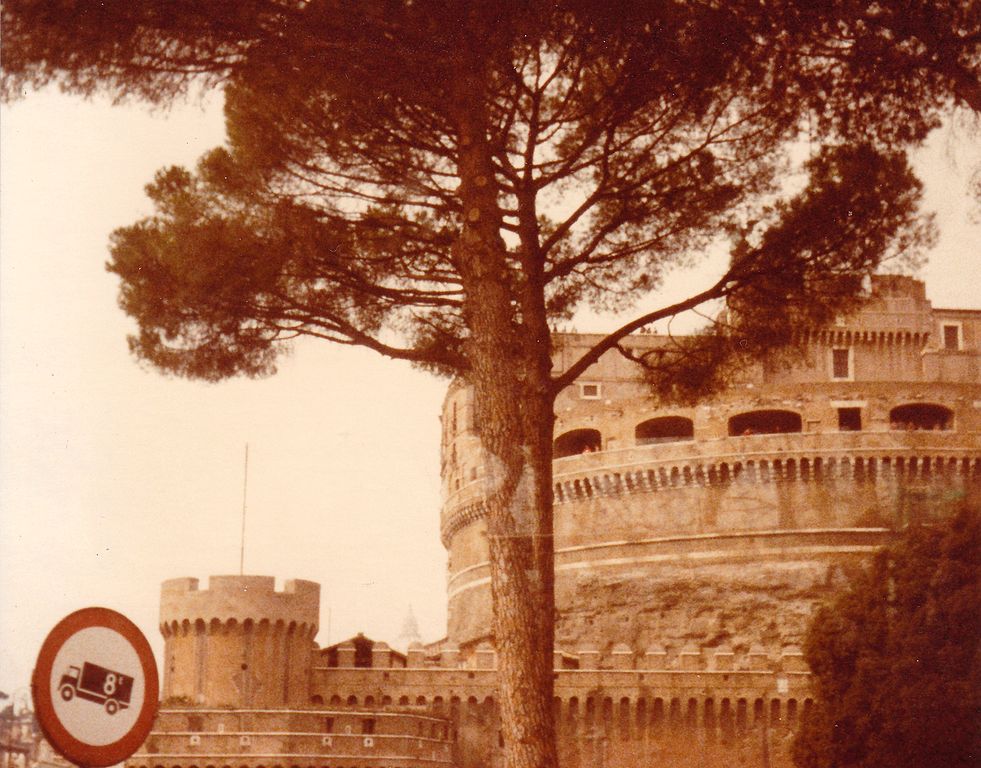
(71, 748)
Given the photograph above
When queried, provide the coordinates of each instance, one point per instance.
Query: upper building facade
(690, 524)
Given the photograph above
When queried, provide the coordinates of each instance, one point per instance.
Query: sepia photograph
(514, 384)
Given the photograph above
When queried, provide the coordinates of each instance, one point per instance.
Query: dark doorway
(849, 419)
(764, 423)
(575, 442)
(666, 429)
(921, 416)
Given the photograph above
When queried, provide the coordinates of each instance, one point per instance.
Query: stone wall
(616, 707)
(339, 738)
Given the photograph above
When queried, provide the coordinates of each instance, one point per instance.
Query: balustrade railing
(751, 458)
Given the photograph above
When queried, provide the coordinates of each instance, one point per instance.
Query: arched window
(764, 423)
(921, 416)
(575, 442)
(666, 429)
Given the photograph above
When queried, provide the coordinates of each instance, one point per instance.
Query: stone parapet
(256, 737)
(240, 598)
(760, 460)
(766, 458)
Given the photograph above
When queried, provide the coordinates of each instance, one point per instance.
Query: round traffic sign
(95, 687)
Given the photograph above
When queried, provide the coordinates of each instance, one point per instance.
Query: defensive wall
(692, 545)
(203, 737)
(368, 705)
(621, 707)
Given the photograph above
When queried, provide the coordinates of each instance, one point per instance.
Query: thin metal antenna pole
(245, 492)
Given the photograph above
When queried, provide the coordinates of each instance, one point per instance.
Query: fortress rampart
(263, 738)
(691, 544)
(622, 707)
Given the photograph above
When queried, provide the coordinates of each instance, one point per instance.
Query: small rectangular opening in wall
(841, 364)
(952, 336)
(368, 725)
(849, 419)
(328, 725)
(590, 391)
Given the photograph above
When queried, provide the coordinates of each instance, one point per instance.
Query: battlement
(903, 286)
(240, 599)
(690, 657)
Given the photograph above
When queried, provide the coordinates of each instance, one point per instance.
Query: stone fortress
(692, 545)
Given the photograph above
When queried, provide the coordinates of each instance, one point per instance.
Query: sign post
(95, 687)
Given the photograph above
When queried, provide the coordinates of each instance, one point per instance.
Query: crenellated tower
(240, 642)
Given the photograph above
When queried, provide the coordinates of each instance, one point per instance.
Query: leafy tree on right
(897, 659)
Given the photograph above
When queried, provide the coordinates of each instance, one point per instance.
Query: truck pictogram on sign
(91, 682)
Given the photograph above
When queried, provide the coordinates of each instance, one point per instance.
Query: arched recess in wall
(765, 422)
(664, 429)
(921, 416)
(576, 441)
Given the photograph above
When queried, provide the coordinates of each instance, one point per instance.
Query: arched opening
(759, 715)
(913, 416)
(674, 716)
(768, 422)
(665, 429)
(641, 717)
(575, 442)
(623, 719)
(573, 712)
(607, 715)
(657, 712)
(691, 716)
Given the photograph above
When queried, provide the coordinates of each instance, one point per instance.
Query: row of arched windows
(632, 718)
(669, 429)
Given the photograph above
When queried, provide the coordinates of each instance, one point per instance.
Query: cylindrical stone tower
(725, 522)
(239, 642)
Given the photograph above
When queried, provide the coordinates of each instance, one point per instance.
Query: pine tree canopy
(620, 140)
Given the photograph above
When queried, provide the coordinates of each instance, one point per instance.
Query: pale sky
(114, 478)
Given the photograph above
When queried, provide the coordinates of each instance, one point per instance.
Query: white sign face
(97, 686)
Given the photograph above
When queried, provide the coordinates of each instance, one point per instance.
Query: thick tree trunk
(510, 360)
